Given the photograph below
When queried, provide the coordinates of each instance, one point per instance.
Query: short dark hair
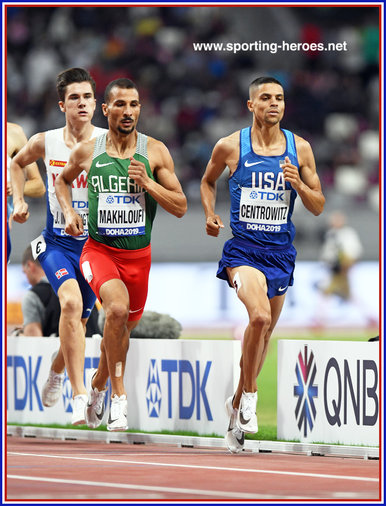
(122, 82)
(28, 257)
(263, 80)
(73, 75)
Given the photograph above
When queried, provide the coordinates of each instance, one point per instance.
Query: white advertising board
(328, 392)
(171, 384)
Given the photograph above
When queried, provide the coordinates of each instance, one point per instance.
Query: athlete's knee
(260, 318)
(117, 313)
(70, 306)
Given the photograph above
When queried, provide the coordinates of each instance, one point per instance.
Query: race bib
(121, 214)
(59, 222)
(264, 209)
(38, 245)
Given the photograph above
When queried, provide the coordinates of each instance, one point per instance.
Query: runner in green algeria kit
(128, 175)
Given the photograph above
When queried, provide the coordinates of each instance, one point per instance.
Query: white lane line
(214, 468)
(149, 488)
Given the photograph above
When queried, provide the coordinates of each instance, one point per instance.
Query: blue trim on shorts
(276, 264)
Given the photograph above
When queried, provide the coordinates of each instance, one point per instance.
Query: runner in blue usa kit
(268, 168)
(57, 251)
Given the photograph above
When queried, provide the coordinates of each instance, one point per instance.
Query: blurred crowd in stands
(192, 98)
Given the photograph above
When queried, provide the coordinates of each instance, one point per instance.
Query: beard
(126, 131)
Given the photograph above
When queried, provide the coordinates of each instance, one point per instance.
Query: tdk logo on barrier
(305, 390)
(153, 391)
(25, 373)
(185, 380)
(26, 378)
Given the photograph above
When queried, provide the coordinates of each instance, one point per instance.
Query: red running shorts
(100, 263)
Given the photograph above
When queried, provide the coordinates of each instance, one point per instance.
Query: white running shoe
(95, 406)
(234, 438)
(246, 417)
(118, 414)
(79, 404)
(52, 389)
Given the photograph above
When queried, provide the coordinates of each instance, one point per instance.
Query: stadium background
(192, 98)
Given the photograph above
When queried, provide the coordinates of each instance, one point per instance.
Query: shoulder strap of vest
(291, 146)
(100, 145)
(141, 148)
(49, 136)
(245, 141)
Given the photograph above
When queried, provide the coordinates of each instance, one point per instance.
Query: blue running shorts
(60, 263)
(276, 264)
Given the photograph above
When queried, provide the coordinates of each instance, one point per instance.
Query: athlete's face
(122, 109)
(267, 103)
(79, 102)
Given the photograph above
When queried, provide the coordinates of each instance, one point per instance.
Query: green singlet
(121, 213)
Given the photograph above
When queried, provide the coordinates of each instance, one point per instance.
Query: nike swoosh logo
(242, 419)
(248, 164)
(136, 310)
(99, 415)
(281, 289)
(102, 164)
(241, 440)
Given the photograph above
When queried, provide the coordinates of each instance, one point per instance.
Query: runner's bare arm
(306, 180)
(16, 140)
(222, 155)
(167, 190)
(80, 160)
(32, 151)
(34, 186)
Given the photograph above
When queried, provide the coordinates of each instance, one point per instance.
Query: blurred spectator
(341, 249)
(40, 304)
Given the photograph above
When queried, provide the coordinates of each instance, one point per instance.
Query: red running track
(43, 469)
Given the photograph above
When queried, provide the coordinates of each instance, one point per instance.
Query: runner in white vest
(58, 252)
